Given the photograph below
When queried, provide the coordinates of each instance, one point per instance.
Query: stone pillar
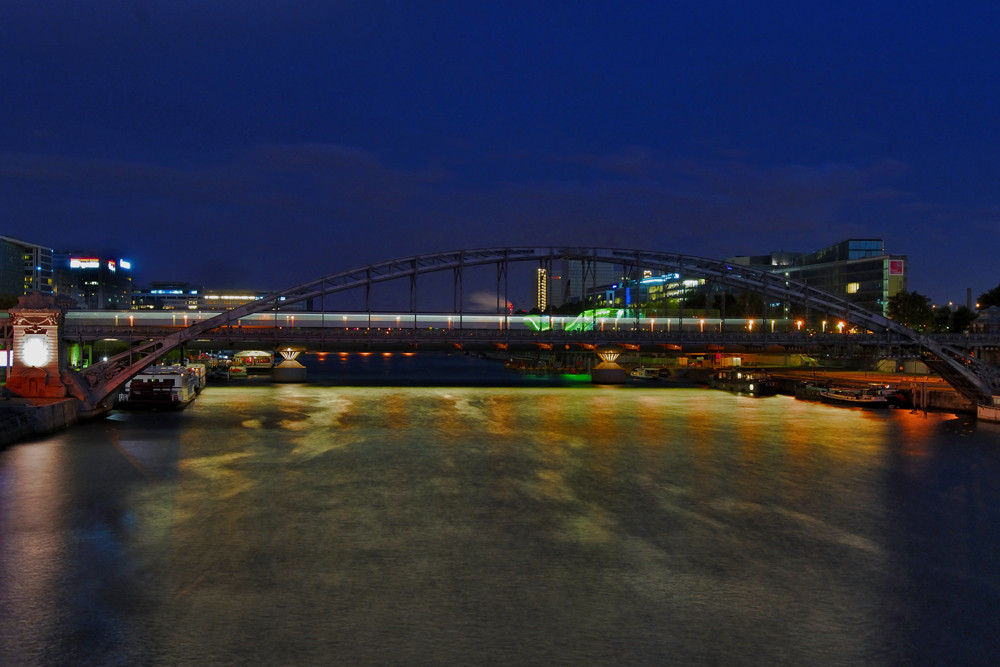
(39, 362)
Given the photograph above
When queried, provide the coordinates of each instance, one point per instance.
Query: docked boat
(646, 374)
(855, 398)
(741, 381)
(805, 391)
(162, 387)
(893, 395)
(989, 412)
(252, 362)
(200, 372)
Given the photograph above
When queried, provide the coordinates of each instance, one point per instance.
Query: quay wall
(25, 418)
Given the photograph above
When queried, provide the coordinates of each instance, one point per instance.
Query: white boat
(989, 412)
(645, 373)
(856, 398)
(162, 387)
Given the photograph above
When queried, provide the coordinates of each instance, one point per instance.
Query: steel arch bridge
(973, 378)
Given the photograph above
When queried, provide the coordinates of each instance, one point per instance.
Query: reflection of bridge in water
(412, 328)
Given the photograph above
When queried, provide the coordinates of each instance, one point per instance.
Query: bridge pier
(39, 365)
(608, 372)
(289, 370)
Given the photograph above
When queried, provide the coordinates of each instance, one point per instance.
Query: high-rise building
(97, 282)
(24, 267)
(542, 290)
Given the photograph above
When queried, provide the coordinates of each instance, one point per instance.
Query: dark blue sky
(260, 143)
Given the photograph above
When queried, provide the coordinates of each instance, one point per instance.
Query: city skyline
(265, 145)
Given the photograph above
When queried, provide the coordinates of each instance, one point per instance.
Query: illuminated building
(24, 268)
(96, 282)
(542, 300)
(227, 299)
(184, 296)
(858, 270)
(167, 296)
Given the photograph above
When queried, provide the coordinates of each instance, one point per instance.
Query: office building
(96, 282)
(858, 270)
(24, 268)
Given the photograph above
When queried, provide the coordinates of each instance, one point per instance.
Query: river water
(335, 524)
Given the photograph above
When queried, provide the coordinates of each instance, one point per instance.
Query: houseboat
(646, 374)
(855, 398)
(742, 381)
(161, 387)
(252, 362)
(989, 412)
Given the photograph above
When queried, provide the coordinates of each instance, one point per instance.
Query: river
(330, 523)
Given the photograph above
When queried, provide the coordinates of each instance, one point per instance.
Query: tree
(990, 298)
(7, 301)
(961, 319)
(911, 309)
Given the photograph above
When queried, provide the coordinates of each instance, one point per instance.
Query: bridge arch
(970, 376)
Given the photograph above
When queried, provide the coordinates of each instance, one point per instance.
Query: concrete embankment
(925, 392)
(22, 418)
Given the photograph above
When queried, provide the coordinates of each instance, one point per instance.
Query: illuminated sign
(125, 264)
(111, 265)
(84, 263)
(895, 267)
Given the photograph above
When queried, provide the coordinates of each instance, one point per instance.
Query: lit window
(852, 288)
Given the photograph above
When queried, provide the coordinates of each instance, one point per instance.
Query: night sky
(262, 144)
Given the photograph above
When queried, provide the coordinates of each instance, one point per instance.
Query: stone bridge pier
(38, 368)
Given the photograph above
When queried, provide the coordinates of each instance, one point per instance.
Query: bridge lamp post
(701, 323)
(798, 325)
(750, 325)
(772, 326)
(651, 323)
(840, 327)
(824, 326)
(602, 324)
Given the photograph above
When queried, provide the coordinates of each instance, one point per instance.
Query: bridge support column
(39, 360)
(608, 372)
(289, 370)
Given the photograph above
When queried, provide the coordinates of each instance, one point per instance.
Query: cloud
(280, 213)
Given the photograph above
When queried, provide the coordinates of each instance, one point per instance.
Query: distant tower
(543, 289)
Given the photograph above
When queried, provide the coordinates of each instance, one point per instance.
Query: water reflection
(296, 524)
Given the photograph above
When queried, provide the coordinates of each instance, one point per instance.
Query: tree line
(915, 311)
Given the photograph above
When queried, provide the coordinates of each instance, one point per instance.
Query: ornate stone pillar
(38, 364)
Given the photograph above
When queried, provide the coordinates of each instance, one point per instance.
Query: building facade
(25, 268)
(858, 270)
(96, 282)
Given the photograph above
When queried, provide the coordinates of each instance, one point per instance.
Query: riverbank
(22, 418)
(924, 392)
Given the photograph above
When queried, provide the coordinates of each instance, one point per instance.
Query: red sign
(895, 267)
